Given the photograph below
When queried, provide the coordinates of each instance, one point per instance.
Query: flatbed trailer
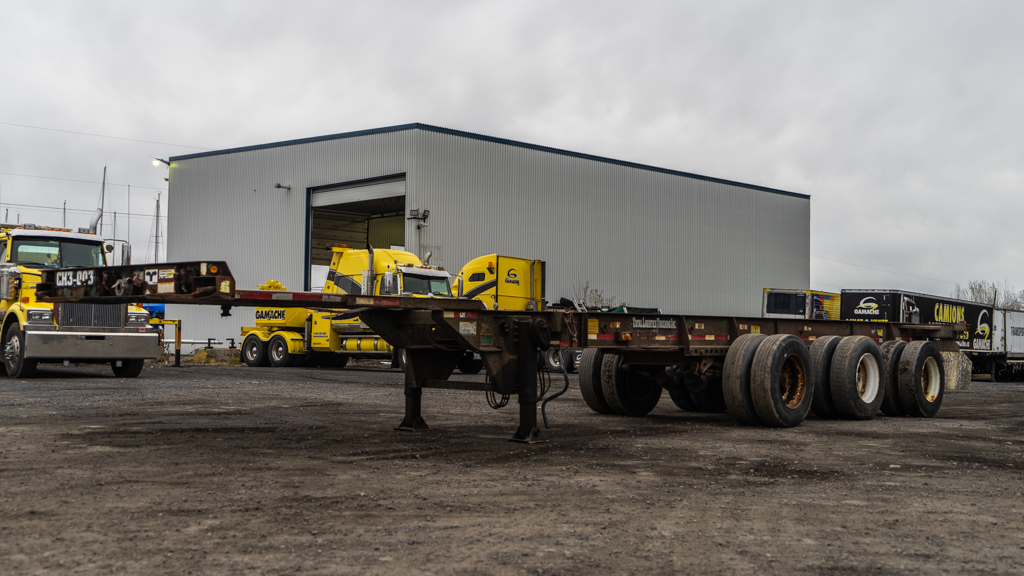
(765, 364)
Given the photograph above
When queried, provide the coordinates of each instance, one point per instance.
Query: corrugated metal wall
(645, 237)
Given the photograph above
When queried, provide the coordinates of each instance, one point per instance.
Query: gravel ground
(217, 469)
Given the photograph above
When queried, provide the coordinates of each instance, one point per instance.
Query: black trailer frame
(436, 333)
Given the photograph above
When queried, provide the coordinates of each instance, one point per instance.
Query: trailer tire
(781, 383)
(128, 368)
(680, 395)
(922, 379)
(254, 351)
(590, 381)
(677, 391)
(736, 379)
(822, 352)
(682, 399)
(857, 379)
(628, 392)
(710, 399)
(568, 359)
(277, 350)
(892, 351)
(16, 364)
(468, 364)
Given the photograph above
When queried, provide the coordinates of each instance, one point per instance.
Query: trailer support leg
(526, 368)
(413, 421)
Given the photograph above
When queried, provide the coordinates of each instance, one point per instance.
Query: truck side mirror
(108, 248)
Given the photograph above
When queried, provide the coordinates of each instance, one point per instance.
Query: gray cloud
(901, 119)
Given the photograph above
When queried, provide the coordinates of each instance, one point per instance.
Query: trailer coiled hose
(543, 405)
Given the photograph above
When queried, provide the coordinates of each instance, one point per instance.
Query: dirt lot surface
(217, 470)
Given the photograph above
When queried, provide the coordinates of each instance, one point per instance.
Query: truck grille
(78, 315)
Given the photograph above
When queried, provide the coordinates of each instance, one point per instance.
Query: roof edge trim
(474, 136)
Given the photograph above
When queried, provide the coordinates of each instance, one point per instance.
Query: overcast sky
(902, 120)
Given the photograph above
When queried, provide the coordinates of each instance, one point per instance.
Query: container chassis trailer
(765, 371)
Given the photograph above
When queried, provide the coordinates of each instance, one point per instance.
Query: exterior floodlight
(287, 187)
(159, 161)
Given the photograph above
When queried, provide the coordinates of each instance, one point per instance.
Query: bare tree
(594, 298)
(1002, 295)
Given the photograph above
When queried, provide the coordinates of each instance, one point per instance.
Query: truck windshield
(55, 253)
(424, 285)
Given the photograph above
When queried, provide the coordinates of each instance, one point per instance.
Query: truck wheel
(736, 379)
(254, 351)
(682, 399)
(892, 351)
(590, 381)
(628, 392)
(709, 397)
(857, 378)
(781, 383)
(14, 355)
(277, 350)
(128, 368)
(552, 361)
(922, 379)
(822, 352)
(469, 364)
(679, 394)
(568, 359)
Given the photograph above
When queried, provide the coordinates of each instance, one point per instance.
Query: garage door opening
(357, 214)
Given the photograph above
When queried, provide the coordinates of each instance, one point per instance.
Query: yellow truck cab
(286, 336)
(35, 332)
(503, 282)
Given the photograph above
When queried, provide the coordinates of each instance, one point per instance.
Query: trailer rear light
(213, 268)
(624, 336)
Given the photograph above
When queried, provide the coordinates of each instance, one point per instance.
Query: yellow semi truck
(286, 336)
(289, 336)
(38, 332)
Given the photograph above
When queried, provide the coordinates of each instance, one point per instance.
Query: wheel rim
(251, 350)
(793, 381)
(868, 380)
(553, 358)
(931, 379)
(13, 351)
(277, 350)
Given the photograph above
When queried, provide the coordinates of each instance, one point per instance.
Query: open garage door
(357, 214)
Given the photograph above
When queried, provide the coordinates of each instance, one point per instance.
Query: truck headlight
(40, 315)
(136, 318)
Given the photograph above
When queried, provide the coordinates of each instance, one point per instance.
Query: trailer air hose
(543, 405)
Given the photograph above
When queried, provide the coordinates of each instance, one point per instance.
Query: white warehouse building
(647, 236)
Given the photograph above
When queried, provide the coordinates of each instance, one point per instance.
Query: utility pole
(128, 236)
(156, 252)
(65, 224)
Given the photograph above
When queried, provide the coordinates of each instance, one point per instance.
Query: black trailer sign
(867, 307)
(911, 308)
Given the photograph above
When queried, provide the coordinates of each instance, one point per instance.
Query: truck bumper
(49, 345)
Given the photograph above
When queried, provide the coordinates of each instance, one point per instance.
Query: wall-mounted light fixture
(159, 161)
(287, 187)
(416, 215)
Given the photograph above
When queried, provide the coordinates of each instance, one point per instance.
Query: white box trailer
(1006, 360)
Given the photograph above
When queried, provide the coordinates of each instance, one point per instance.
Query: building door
(357, 214)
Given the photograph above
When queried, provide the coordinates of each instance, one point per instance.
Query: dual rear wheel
(775, 381)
